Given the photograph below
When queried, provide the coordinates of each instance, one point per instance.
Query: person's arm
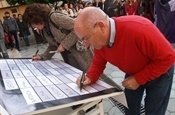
(16, 25)
(46, 55)
(5, 27)
(154, 46)
(97, 66)
(1, 32)
(52, 46)
(67, 23)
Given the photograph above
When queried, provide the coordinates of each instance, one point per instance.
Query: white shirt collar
(112, 32)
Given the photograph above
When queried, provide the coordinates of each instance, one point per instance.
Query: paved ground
(114, 73)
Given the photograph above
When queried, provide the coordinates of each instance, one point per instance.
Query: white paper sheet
(53, 71)
(54, 79)
(67, 90)
(4, 66)
(56, 92)
(10, 61)
(30, 96)
(17, 73)
(69, 76)
(44, 94)
(27, 73)
(22, 83)
(44, 80)
(6, 74)
(30, 66)
(34, 81)
(77, 89)
(36, 72)
(10, 84)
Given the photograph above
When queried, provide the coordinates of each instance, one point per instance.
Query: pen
(36, 54)
(82, 80)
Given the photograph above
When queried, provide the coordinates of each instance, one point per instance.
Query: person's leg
(16, 40)
(134, 98)
(26, 39)
(158, 93)
(10, 40)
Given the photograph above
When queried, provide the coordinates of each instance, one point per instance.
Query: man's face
(19, 17)
(92, 37)
(7, 15)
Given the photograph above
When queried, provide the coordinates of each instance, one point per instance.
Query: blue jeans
(157, 95)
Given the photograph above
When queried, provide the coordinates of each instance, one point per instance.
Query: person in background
(131, 7)
(165, 18)
(3, 49)
(11, 28)
(143, 54)
(122, 8)
(106, 5)
(57, 28)
(114, 8)
(24, 30)
(68, 11)
(98, 3)
(14, 16)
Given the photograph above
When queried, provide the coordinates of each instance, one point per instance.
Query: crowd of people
(112, 7)
(16, 29)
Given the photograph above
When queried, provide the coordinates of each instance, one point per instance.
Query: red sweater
(139, 50)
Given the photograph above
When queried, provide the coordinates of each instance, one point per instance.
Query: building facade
(14, 10)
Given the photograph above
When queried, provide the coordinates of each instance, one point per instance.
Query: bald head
(92, 27)
(89, 16)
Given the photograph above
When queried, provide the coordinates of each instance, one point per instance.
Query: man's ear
(101, 25)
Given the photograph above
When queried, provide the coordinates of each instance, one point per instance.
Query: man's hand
(36, 57)
(60, 48)
(130, 83)
(87, 81)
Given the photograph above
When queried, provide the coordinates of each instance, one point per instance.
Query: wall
(13, 10)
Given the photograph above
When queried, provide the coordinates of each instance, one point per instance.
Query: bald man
(135, 46)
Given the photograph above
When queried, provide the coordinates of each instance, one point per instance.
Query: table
(15, 103)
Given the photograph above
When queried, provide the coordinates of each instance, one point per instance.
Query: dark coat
(23, 28)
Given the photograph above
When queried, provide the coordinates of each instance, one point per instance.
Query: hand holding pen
(83, 80)
(36, 56)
